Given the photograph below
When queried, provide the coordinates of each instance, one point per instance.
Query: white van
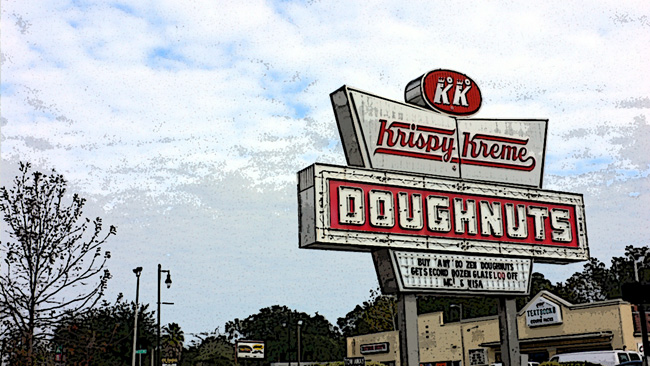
(606, 358)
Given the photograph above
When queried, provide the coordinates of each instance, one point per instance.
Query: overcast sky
(184, 124)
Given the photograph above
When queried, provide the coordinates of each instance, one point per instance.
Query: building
(546, 325)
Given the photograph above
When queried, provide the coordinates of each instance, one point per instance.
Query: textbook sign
(543, 312)
(357, 209)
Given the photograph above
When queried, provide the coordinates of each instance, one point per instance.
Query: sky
(184, 124)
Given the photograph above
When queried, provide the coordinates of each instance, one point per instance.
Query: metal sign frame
(318, 202)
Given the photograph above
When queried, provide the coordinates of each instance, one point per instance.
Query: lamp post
(137, 272)
(460, 324)
(299, 325)
(168, 282)
(642, 316)
(636, 270)
(287, 324)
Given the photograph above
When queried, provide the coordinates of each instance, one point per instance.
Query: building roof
(558, 338)
(554, 298)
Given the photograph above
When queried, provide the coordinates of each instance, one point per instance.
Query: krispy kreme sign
(357, 209)
(379, 133)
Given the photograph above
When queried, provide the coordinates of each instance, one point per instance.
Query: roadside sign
(362, 210)
(140, 351)
(250, 349)
(445, 203)
(379, 133)
(354, 361)
(451, 274)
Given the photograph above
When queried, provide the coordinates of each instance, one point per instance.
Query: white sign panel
(508, 151)
(362, 210)
(379, 133)
(462, 274)
(543, 312)
(250, 349)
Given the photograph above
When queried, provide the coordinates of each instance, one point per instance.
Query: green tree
(596, 282)
(378, 314)
(53, 260)
(277, 327)
(472, 306)
(211, 349)
(104, 336)
(172, 340)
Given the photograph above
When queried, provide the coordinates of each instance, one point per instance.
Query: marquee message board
(451, 274)
(380, 133)
(357, 209)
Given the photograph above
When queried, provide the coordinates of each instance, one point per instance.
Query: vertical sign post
(407, 323)
(446, 204)
(510, 353)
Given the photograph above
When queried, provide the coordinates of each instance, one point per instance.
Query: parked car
(606, 358)
(631, 363)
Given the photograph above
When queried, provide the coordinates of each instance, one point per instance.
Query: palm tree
(172, 340)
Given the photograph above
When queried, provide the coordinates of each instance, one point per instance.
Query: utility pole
(137, 272)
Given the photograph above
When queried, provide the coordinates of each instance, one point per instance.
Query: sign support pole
(510, 353)
(407, 324)
(644, 334)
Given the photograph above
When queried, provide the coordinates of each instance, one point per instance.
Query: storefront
(546, 325)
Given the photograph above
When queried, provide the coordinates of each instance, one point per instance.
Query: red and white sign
(371, 348)
(445, 91)
(356, 209)
(378, 133)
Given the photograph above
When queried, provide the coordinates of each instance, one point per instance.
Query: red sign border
(315, 231)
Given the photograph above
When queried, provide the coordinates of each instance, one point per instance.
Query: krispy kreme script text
(425, 142)
(417, 212)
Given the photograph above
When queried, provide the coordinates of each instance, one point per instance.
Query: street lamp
(299, 325)
(137, 272)
(636, 271)
(641, 309)
(460, 324)
(168, 282)
(287, 324)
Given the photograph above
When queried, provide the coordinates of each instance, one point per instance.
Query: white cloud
(170, 114)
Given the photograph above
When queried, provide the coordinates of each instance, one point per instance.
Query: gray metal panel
(348, 128)
(386, 272)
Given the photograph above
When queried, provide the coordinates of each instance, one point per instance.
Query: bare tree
(53, 260)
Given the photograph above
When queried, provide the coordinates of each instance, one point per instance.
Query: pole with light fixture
(460, 325)
(299, 325)
(168, 282)
(137, 272)
(642, 315)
